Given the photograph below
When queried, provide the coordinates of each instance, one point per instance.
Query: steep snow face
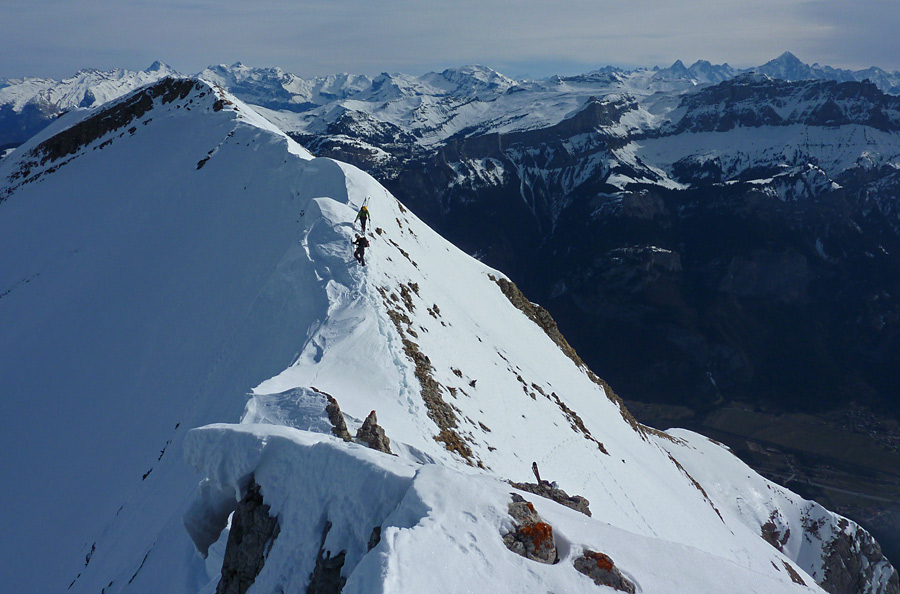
(137, 296)
(180, 261)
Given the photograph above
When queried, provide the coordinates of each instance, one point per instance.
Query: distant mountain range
(27, 104)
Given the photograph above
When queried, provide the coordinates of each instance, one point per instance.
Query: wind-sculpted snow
(440, 529)
(198, 271)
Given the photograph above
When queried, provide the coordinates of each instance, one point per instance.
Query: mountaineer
(363, 217)
(361, 244)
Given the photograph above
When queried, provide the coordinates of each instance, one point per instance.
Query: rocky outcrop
(252, 534)
(372, 434)
(854, 564)
(771, 534)
(531, 538)
(544, 489)
(338, 424)
(601, 569)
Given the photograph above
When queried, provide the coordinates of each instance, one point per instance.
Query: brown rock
(532, 538)
(601, 569)
(373, 435)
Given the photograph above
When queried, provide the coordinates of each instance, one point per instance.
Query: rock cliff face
(753, 101)
(853, 563)
(252, 534)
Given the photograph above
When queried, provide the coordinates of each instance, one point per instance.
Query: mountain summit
(209, 392)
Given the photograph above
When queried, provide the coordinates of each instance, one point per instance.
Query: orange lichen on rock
(603, 572)
(540, 534)
(603, 562)
(531, 537)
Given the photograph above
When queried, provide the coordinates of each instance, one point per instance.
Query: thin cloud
(55, 38)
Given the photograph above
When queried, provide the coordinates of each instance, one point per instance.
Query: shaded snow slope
(179, 262)
(142, 296)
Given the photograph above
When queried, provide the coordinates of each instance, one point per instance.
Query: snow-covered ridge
(756, 100)
(86, 88)
(430, 522)
(197, 270)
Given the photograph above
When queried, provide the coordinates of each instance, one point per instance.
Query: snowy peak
(158, 66)
(87, 88)
(787, 66)
(28, 105)
(700, 72)
(275, 89)
(480, 79)
(48, 152)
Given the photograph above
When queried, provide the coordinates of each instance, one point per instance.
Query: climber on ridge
(363, 217)
(361, 244)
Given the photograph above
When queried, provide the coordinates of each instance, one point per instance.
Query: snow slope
(190, 264)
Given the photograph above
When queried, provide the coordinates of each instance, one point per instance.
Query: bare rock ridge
(549, 491)
(576, 502)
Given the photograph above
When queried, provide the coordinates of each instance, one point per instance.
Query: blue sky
(55, 38)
